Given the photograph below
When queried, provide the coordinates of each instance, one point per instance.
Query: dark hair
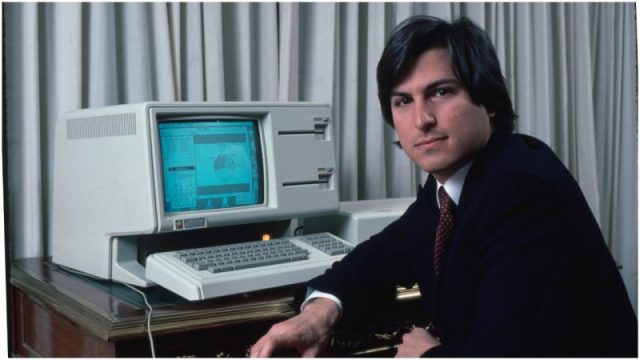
(473, 57)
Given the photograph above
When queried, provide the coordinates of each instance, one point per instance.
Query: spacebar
(257, 263)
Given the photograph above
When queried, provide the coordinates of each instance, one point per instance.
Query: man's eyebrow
(431, 86)
(398, 93)
(446, 81)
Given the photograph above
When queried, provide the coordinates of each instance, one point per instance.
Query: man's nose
(424, 117)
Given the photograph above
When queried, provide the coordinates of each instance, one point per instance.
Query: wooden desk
(55, 313)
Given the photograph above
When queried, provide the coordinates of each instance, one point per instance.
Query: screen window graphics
(211, 164)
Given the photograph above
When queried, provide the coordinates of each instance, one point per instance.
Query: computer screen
(210, 163)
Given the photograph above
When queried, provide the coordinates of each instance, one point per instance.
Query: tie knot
(446, 204)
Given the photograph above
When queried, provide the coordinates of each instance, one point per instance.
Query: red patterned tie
(445, 228)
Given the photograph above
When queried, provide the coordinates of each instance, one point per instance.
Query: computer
(131, 180)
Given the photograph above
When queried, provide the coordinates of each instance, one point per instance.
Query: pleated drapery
(571, 69)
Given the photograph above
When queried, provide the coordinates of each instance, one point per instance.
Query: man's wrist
(326, 308)
(313, 294)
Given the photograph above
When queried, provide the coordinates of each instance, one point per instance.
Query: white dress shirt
(453, 186)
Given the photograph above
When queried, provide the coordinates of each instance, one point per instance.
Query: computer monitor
(127, 171)
(210, 163)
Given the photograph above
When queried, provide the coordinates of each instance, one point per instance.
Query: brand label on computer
(185, 224)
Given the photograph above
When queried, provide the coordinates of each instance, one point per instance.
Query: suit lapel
(459, 245)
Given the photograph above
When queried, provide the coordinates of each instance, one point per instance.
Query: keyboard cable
(153, 352)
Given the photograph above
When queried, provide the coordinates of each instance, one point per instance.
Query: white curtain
(571, 69)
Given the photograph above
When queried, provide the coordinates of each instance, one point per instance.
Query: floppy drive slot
(320, 126)
(323, 180)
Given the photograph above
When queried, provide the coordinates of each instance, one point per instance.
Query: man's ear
(492, 119)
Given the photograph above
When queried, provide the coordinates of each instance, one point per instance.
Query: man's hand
(416, 342)
(307, 332)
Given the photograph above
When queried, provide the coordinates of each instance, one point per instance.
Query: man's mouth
(430, 141)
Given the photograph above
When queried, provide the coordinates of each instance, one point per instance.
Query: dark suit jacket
(527, 272)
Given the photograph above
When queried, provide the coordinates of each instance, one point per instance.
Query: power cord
(144, 297)
(141, 293)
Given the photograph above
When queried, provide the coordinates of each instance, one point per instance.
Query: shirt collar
(453, 186)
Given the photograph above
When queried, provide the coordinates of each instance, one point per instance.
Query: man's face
(438, 125)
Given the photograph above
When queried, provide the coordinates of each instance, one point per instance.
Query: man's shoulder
(520, 158)
(521, 153)
(520, 171)
(519, 146)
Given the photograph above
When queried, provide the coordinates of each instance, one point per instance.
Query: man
(507, 255)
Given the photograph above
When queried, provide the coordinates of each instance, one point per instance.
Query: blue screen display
(210, 164)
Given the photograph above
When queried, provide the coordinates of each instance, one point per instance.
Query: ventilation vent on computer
(102, 126)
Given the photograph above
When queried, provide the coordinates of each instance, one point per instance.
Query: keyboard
(204, 273)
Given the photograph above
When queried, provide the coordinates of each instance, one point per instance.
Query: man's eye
(401, 101)
(442, 92)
